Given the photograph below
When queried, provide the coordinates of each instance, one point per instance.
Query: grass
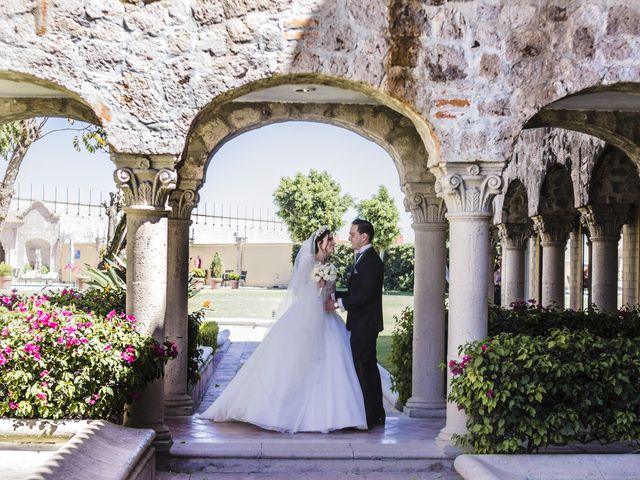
(260, 303)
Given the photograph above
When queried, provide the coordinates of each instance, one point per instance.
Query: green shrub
(233, 276)
(98, 301)
(6, 270)
(216, 266)
(401, 355)
(531, 319)
(343, 258)
(209, 335)
(60, 362)
(521, 393)
(398, 268)
(44, 269)
(26, 267)
(199, 273)
(194, 352)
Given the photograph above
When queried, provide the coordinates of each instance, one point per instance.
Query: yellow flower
(206, 303)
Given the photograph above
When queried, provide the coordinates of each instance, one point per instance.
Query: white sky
(244, 173)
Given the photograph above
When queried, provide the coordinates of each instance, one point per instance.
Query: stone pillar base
(444, 441)
(420, 408)
(178, 405)
(162, 442)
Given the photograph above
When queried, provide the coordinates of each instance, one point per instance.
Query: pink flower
(484, 348)
(33, 350)
(44, 373)
(44, 384)
(41, 396)
(490, 393)
(131, 318)
(13, 405)
(107, 347)
(8, 350)
(3, 359)
(5, 332)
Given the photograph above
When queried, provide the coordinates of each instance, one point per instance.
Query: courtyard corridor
(403, 449)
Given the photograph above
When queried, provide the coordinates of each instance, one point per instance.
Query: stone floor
(402, 449)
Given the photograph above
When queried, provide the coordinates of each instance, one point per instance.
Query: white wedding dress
(301, 377)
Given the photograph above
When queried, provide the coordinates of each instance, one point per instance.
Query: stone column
(427, 380)
(605, 223)
(554, 231)
(576, 286)
(513, 237)
(177, 401)
(468, 190)
(631, 260)
(146, 183)
(534, 267)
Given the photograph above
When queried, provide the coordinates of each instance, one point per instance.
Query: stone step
(308, 459)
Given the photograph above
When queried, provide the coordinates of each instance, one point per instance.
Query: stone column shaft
(427, 379)
(534, 268)
(553, 231)
(576, 286)
(631, 261)
(605, 223)
(146, 182)
(177, 401)
(513, 238)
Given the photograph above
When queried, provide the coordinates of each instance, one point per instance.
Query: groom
(363, 303)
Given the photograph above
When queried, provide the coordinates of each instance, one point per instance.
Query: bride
(301, 377)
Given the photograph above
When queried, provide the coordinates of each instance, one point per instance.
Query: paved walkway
(405, 440)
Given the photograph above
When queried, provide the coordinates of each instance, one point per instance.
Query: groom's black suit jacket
(363, 298)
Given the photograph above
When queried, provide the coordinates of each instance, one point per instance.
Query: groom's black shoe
(376, 421)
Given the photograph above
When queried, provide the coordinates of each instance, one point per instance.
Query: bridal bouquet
(326, 272)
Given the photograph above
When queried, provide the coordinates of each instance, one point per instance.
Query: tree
(307, 201)
(17, 137)
(382, 212)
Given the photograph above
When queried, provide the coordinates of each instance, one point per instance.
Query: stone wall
(468, 74)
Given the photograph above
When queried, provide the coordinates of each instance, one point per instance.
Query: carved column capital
(182, 203)
(145, 180)
(605, 221)
(468, 187)
(423, 203)
(553, 228)
(514, 235)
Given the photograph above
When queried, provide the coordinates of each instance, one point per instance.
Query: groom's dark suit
(363, 303)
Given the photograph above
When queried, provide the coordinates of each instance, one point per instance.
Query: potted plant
(216, 271)
(234, 279)
(198, 277)
(6, 275)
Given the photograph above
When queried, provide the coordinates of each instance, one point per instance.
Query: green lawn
(260, 303)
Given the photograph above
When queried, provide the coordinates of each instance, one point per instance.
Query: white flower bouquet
(324, 271)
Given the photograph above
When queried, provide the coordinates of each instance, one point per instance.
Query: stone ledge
(548, 467)
(95, 449)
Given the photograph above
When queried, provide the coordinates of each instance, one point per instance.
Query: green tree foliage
(398, 268)
(307, 201)
(382, 212)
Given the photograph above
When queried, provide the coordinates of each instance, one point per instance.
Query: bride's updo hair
(320, 234)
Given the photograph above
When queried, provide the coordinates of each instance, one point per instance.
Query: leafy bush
(233, 276)
(112, 275)
(95, 300)
(199, 273)
(401, 355)
(6, 270)
(398, 268)
(209, 335)
(59, 362)
(194, 352)
(531, 319)
(216, 266)
(521, 393)
(26, 267)
(44, 269)
(343, 259)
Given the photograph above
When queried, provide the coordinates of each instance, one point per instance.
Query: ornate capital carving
(514, 235)
(423, 204)
(146, 187)
(182, 202)
(553, 228)
(605, 221)
(469, 187)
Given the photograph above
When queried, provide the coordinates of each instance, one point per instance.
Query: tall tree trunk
(30, 131)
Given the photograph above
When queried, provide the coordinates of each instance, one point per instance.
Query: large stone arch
(614, 179)
(27, 96)
(393, 132)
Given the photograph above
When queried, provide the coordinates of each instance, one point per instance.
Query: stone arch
(37, 97)
(392, 131)
(556, 193)
(515, 208)
(615, 179)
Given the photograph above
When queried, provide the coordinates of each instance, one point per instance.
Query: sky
(243, 174)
